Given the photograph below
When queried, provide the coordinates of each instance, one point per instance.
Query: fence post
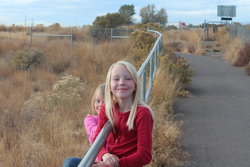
(30, 34)
(111, 34)
(71, 37)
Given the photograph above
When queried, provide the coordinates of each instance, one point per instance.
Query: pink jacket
(90, 124)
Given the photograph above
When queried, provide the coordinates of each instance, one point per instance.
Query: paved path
(217, 114)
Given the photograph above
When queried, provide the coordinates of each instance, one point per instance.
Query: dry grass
(236, 51)
(14, 35)
(232, 50)
(42, 124)
(166, 147)
(222, 37)
(229, 46)
(186, 41)
(243, 57)
(43, 135)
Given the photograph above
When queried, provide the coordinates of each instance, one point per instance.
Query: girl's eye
(128, 78)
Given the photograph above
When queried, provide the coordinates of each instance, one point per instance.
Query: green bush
(151, 26)
(142, 39)
(27, 59)
(178, 67)
(142, 44)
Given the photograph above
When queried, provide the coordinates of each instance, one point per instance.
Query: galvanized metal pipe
(90, 156)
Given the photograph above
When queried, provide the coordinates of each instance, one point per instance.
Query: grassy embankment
(45, 93)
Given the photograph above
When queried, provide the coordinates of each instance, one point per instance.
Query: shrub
(67, 94)
(27, 59)
(142, 43)
(167, 132)
(243, 57)
(178, 68)
(137, 57)
(142, 39)
(151, 26)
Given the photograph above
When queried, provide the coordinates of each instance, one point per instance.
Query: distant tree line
(124, 16)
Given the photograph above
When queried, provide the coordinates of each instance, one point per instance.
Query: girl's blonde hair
(100, 91)
(110, 99)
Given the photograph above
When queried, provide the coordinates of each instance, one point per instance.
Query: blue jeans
(71, 162)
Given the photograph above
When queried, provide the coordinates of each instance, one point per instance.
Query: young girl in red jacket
(130, 142)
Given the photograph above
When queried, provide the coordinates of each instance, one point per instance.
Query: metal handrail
(152, 58)
(90, 156)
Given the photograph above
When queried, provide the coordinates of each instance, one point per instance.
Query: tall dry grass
(167, 132)
(42, 109)
(14, 35)
(187, 41)
(229, 46)
(44, 134)
(232, 50)
(236, 51)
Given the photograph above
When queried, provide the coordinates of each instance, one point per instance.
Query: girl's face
(122, 84)
(99, 101)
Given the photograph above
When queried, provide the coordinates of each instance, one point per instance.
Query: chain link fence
(80, 34)
(100, 34)
(240, 31)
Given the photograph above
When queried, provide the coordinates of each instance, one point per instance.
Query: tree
(110, 20)
(149, 14)
(127, 11)
(161, 17)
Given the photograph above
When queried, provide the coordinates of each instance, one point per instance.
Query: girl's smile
(122, 84)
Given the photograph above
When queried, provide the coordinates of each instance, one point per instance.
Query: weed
(27, 59)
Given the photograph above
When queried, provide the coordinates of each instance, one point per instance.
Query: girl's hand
(110, 160)
(100, 164)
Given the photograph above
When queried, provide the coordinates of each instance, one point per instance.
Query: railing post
(152, 69)
(144, 75)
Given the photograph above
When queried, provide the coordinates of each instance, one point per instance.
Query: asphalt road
(216, 130)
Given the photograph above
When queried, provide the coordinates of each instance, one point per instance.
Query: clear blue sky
(84, 12)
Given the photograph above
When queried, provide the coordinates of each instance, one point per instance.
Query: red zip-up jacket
(134, 147)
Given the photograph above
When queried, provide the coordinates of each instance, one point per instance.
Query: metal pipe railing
(90, 156)
(152, 60)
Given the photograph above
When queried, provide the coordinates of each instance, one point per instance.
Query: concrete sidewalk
(216, 115)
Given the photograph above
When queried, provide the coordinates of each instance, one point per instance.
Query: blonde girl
(130, 142)
(91, 121)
